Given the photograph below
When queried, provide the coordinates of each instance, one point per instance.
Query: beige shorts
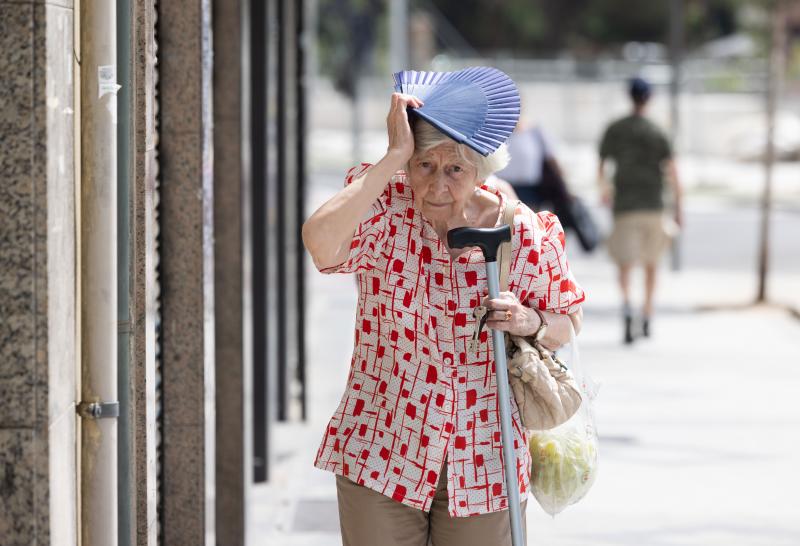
(640, 237)
(368, 518)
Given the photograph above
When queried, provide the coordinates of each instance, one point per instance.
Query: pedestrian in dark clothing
(643, 160)
(536, 178)
(531, 154)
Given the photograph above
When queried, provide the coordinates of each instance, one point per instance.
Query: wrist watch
(540, 332)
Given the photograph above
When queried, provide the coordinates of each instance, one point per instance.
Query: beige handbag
(546, 393)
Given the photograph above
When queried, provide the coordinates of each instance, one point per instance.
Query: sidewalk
(699, 425)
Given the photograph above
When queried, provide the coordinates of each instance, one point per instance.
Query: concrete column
(186, 270)
(144, 261)
(232, 252)
(37, 275)
(398, 35)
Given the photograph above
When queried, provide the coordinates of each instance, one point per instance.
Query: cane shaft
(504, 405)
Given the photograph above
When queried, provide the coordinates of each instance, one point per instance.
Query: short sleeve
(371, 234)
(666, 147)
(541, 271)
(607, 144)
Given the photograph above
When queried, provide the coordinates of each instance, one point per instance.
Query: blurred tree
(614, 21)
(515, 24)
(347, 35)
(709, 19)
(536, 27)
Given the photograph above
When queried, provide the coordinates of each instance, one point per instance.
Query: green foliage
(793, 62)
(615, 21)
(353, 33)
(496, 24)
(538, 26)
(347, 39)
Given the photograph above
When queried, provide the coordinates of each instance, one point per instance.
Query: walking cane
(489, 241)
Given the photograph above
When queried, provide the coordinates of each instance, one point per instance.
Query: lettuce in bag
(564, 464)
(564, 458)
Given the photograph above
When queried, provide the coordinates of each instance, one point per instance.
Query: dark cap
(639, 90)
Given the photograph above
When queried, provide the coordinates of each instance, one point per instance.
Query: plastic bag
(564, 458)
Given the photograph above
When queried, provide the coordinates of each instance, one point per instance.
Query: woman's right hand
(401, 138)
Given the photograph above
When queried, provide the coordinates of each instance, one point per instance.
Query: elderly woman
(415, 441)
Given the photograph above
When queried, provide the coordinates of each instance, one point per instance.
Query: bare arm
(605, 187)
(559, 331)
(328, 232)
(677, 189)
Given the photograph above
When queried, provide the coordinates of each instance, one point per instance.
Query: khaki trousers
(368, 518)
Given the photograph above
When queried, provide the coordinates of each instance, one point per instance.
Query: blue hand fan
(476, 106)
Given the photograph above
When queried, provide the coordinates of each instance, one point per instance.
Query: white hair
(426, 136)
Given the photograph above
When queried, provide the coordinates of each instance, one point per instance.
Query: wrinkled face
(442, 182)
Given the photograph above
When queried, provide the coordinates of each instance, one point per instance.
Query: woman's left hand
(507, 314)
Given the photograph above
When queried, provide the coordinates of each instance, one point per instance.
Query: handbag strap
(505, 248)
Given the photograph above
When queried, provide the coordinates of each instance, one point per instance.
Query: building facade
(151, 287)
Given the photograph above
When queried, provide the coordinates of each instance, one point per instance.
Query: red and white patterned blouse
(415, 395)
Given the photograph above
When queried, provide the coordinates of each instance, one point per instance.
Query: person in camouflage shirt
(643, 161)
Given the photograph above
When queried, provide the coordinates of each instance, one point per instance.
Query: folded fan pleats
(478, 106)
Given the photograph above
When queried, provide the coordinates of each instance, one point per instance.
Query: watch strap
(539, 334)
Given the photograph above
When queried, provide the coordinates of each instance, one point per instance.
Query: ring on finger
(508, 315)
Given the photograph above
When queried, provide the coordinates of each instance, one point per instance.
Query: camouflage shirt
(638, 149)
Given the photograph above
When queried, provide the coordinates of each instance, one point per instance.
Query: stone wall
(233, 279)
(37, 274)
(186, 164)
